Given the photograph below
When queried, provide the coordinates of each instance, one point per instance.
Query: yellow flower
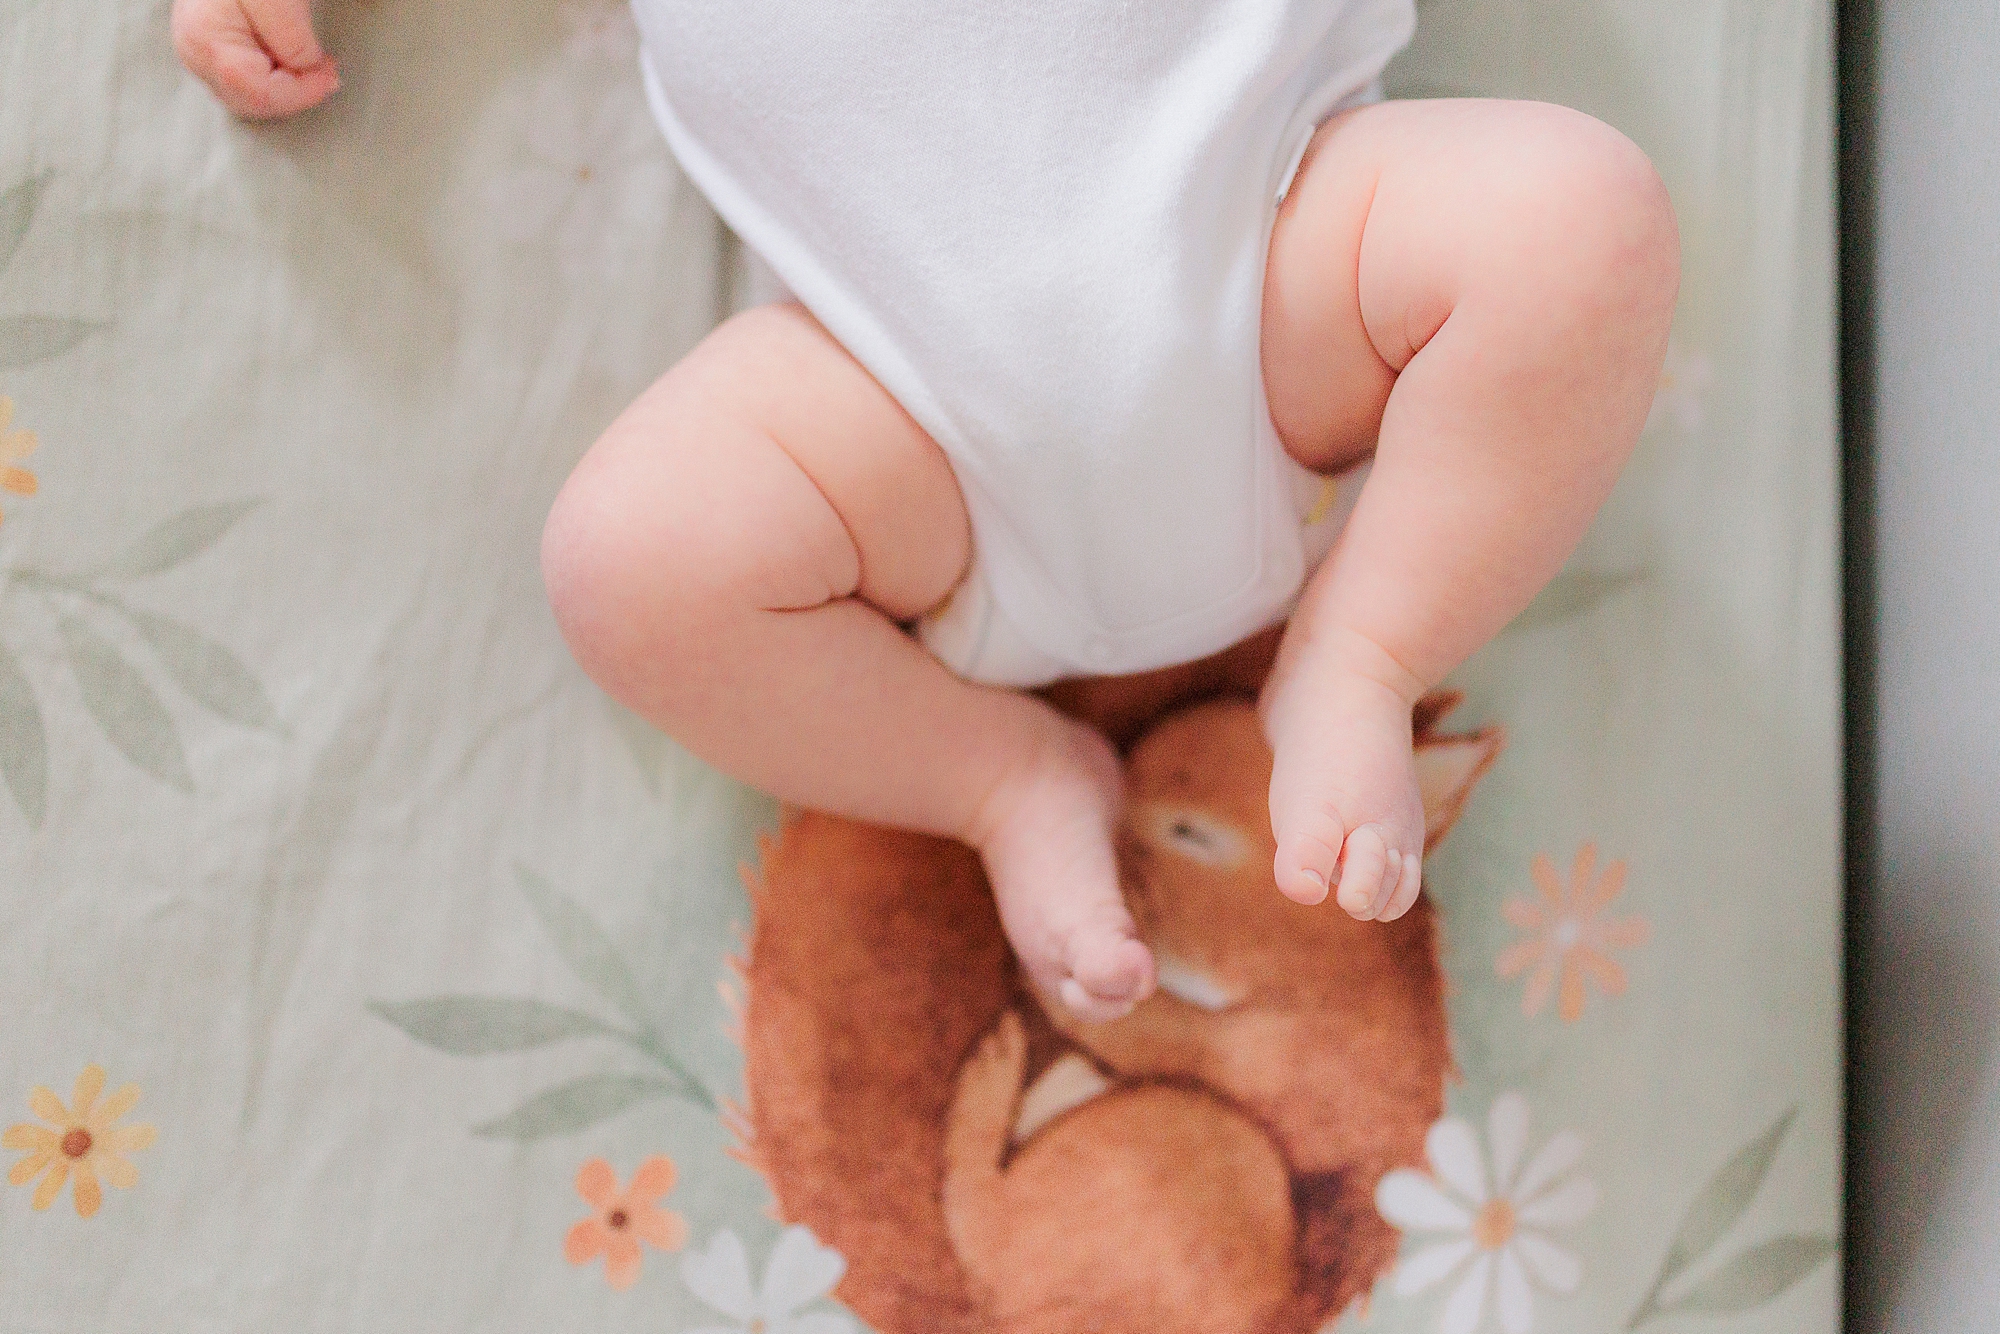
(79, 1141)
(15, 446)
(1568, 938)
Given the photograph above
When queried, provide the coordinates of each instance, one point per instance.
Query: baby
(1099, 307)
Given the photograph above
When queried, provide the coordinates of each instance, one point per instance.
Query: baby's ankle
(1349, 659)
(1340, 675)
(1053, 752)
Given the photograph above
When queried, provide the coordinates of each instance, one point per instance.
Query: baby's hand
(260, 56)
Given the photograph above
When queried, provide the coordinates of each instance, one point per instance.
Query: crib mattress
(363, 969)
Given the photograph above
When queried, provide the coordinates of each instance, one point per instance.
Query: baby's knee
(679, 532)
(623, 578)
(586, 569)
(1605, 221)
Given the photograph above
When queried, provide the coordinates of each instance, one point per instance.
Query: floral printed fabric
(81, 1142)
(1499, 1226)
(621, 1220)
(420, 951)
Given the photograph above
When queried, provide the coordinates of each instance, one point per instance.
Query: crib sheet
(363, 969)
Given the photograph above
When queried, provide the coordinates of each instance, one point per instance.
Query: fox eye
(1195, 835)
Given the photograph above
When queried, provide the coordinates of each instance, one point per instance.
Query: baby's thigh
(1326, 384)
(1550, 227)
(769, 449)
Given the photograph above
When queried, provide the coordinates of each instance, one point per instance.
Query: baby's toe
(1308, 860)
(1110, 972)
(1089, 1008)
(1404, 895)
(1392, 879)
(1364, 865)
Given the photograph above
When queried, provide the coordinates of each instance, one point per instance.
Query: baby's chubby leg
(1492, 283)
(730, 562)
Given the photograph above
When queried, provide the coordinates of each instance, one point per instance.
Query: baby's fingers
(251, 86)
(284, 29)
(259, 56)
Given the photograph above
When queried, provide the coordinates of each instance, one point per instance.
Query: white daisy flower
(1501, 1247)
(800, 1272)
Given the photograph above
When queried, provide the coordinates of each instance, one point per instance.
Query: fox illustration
(1206, 1164)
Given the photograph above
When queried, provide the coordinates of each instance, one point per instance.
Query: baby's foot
(1046, 837)
(1345, 806)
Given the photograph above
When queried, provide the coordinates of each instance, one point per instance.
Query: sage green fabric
(312, 832)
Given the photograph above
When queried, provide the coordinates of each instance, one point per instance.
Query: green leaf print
(491, 1025)
(484, 1025)
(1756, 1276)
(26, 340)
(24, 747)
(173, 541)
(17, 214)
(121, 701)
(1750, 1278)
(1721, 1202)
(586, 948)
(576, 1105)
(207, 671)
(125, 707)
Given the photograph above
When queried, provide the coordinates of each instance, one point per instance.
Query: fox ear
(1448, 768)
(1430, 711)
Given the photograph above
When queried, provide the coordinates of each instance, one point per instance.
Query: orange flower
(80, 1141)
(624, 1219)
(1568, 937)
(15, 446)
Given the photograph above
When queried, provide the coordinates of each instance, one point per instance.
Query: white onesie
(1042, 226)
